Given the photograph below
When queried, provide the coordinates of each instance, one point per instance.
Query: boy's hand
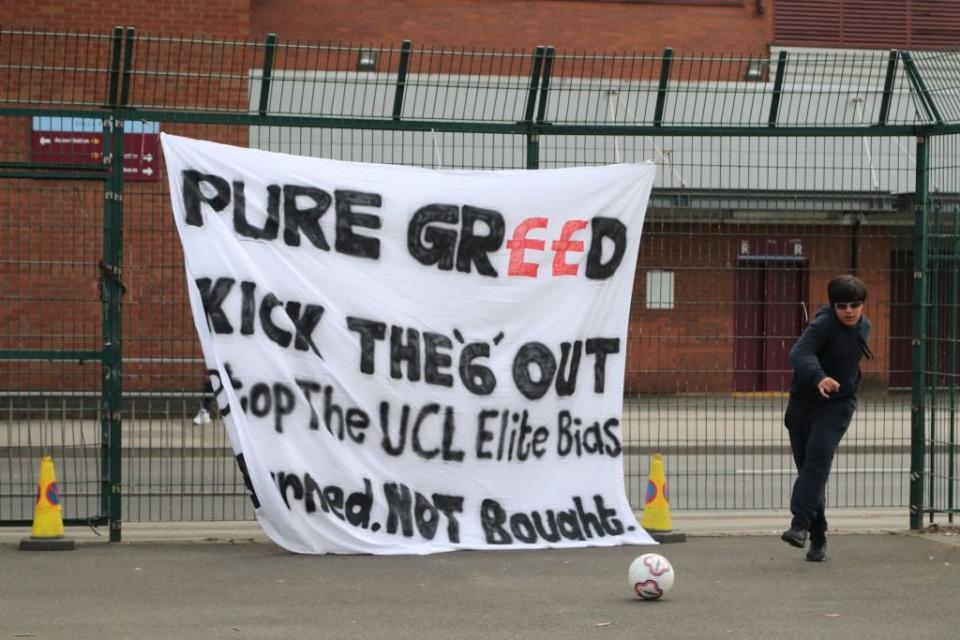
(827, 386)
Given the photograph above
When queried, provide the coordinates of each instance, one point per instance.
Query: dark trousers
(815, 432)
(207, 400)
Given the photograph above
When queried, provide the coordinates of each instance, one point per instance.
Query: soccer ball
(650, 576)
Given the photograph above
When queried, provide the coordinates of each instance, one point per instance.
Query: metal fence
(774, 175)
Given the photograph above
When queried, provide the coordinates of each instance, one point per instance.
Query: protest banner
(411, 360)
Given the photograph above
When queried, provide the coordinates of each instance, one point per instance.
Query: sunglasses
(843, 306)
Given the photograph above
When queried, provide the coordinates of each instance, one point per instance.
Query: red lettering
(563, 245)
(520, 243)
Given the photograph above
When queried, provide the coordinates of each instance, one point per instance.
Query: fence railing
(774, 175)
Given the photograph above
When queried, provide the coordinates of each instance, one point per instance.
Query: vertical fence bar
(544, 85)
(127, 67)
(110, 277)
(888, 87)
(533, 150)
(402, 66)
(110, 271)
(533, 138)
(952, 372)
(665, 65)
(268, 53)
(919, 338)
(534, 85)
(931, 274)
(116, 50)
(777, 89)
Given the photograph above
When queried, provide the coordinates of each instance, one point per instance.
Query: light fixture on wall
(367, 59)
(754, 71)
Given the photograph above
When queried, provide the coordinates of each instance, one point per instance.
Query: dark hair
(846, 288)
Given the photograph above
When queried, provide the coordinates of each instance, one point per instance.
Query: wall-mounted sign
(79, 141)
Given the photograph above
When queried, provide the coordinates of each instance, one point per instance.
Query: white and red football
(651, 576)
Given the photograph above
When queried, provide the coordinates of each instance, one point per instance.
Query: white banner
(414, 361)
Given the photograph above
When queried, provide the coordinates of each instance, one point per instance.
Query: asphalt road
(872, 586)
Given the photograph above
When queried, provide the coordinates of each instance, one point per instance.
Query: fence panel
(774, 175)
(942, 340)
(50, 243)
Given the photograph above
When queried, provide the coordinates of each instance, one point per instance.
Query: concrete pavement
(161, 584)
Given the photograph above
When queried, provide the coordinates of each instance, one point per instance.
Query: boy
(823, 397)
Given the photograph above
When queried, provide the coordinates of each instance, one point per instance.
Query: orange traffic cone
(47, 534)
(656, 511)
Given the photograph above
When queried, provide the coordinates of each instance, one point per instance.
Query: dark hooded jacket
(829, 348)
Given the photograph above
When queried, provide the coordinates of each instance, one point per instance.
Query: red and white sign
(79, 141)
(141, 152)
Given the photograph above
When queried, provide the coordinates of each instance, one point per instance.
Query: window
(659, 289)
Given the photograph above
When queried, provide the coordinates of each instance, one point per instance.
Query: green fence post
(112, 287)
(115, 51)
(665, 65)
(954, 339)
(533, 150)
(544, 85)
(113, 98)
(919, 341)
(777, 89)
(533, 137)
(112, 290)
(127, 67)
(932, 276)
(268, 52)
(401, 79)
(888, 87)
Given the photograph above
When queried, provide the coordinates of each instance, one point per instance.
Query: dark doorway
(770, 314)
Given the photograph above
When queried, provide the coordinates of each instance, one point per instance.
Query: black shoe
(818, 550)
(795, 537)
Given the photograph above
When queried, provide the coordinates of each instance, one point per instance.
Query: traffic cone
(47, 534)
(656, 511)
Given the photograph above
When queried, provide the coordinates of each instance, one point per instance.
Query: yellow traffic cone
(656, 511)
(47, 534)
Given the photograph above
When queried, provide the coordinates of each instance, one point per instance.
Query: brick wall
(211, 17)
(520, 24)
(502, 24)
